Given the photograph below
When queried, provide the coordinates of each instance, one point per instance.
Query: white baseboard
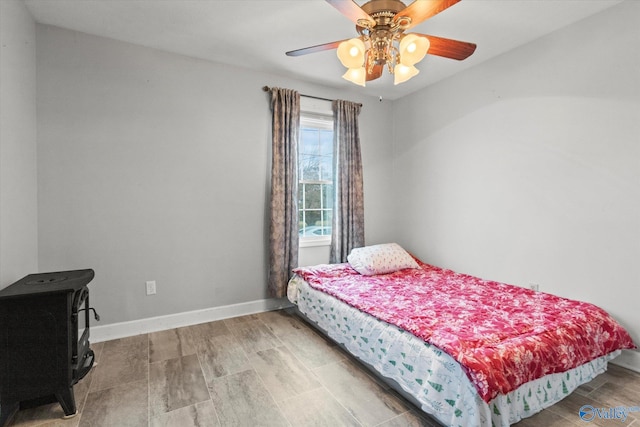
(628, 359)
(170, 321)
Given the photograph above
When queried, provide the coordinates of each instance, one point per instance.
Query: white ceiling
(256, 33)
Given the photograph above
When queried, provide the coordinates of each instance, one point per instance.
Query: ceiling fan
(381, 25)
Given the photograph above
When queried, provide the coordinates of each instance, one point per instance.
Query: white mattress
(433, 378)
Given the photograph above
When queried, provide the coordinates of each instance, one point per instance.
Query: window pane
(327, 196)
(327, 214)
(301, 221)
(314, 218)
(309, 141)
(309, 168)
(313, 196)
(326, 142)
(326, 168)
(301, 196)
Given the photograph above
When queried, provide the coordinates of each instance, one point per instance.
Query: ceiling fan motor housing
(382, 11)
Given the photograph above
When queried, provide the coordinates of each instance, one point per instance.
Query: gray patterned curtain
(348, 211)
(283, 230)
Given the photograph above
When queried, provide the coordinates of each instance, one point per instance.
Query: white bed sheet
(435, 380)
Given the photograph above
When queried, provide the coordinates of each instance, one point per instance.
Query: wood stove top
(59, 281)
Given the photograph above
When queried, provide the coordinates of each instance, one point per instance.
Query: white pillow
(380, 259)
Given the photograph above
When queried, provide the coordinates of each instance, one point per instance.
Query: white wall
(18, 174)
(527, 168)
(154, 166)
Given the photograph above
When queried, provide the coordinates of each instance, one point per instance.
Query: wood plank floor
(268, 369)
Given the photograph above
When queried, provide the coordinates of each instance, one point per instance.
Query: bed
(467, 351)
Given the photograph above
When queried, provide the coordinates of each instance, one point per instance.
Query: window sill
(310, 242)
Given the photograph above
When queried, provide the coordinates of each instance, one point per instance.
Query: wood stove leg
(67, 401)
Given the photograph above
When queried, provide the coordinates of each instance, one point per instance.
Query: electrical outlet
(534, 286)
(151, 287)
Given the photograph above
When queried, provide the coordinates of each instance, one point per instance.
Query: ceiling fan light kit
(413, 49)
(356, 75)
(352, 53)
(402, 73)
(400, 61)
(382, 41)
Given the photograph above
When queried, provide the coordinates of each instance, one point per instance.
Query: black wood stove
(44, 340)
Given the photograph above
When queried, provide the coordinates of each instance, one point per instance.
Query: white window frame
(316, 114)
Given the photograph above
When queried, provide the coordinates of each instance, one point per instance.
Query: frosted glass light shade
(412, 49)
(351, 53)
(402, 73)
(356, 75)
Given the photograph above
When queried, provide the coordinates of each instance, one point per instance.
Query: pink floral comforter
(503, 335)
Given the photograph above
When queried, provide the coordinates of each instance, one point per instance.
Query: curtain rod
(267, 88)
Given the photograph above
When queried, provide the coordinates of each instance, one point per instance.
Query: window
(315, 174)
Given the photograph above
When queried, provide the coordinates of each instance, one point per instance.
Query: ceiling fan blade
(314, 49)
(421, 10)
(375, 72)
(449, 48)
(351, 10)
